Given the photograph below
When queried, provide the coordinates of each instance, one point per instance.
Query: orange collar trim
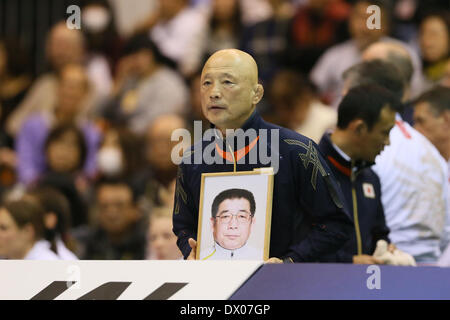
(340, 167)
(239, 154)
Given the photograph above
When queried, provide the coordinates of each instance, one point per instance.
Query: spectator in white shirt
(56, 221)
(179, 30)
(22, 231)
(327, 72)
(145, 87)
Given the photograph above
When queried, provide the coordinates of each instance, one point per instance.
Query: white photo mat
(260, 183)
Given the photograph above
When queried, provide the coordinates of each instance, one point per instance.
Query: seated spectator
(14, 77)
(267, 40)
(156, 183)
(56, 221)
(432, 119)
(22, 231)
(405, 26)
(327, 72)
(365, 117)
(65, 152)
(376, 72)
(64, 46)
(404, 59)
(119, 232)
(316, 26)
(225, 26)
(72, 90)
(297, 107)
(120, 154)
(395, 54)
(15, 81)
(162, 242)
(145, 87)
(102, 43)
(179, 30)
(434, 40)
(254, 11)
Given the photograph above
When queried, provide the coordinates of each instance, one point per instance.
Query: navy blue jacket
(308, 216)
(369, 214)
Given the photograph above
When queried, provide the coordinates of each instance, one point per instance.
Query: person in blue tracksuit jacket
(309, 219)
(365, 117)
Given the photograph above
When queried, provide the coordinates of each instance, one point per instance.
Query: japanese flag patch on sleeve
(369, 191)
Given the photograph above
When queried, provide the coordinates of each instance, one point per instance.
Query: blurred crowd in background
(86, 144)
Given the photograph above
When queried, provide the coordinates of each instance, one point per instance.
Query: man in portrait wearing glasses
(232, 220)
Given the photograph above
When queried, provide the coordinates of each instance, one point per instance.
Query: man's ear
(358, 126)
(258, 92)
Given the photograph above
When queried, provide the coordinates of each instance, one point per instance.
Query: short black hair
(376, 72)
(119, 181)
(438, 98)
(365, 102)
(233, 194)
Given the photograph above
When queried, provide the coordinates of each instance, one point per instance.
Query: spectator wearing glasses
(118, 232)
(232, 220)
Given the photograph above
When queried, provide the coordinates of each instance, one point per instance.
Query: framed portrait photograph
(235, 215)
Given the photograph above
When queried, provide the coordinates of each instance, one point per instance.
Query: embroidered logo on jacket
(310, 157)
(179, 191)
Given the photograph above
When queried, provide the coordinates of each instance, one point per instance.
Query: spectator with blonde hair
(162, 242)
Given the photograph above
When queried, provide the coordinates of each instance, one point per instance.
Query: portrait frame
(260, 183)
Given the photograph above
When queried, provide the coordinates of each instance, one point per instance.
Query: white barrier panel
(123, 280)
